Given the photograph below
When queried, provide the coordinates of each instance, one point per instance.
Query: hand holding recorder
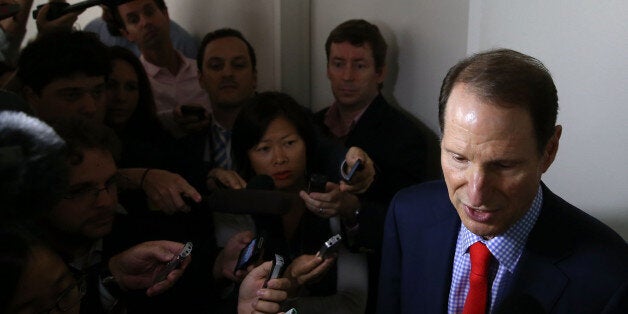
(357, 171)
(138, 267)
(260, 294)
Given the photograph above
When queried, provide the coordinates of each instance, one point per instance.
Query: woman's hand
(332, 203)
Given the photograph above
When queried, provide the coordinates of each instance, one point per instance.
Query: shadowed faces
(353, 75)
(227, 74)
(280, 154)
(89, 207)
(122, 93)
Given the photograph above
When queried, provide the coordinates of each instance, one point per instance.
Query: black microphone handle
(250, 202)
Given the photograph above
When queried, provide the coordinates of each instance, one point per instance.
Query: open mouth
(478, 214)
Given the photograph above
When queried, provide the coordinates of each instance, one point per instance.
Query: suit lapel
(538, 274)
(427, 261)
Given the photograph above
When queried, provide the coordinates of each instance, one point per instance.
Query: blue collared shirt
(506, 250)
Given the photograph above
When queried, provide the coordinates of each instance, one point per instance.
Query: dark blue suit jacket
(572, 263)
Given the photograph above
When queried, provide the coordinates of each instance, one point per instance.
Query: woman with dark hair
(274, 136)
(131, 113)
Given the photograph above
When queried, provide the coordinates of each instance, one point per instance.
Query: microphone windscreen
(261, 182)
(250, 201)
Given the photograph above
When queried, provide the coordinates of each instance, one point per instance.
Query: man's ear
(551, 149)
(201, 79)
(31, 98)
(381, 74)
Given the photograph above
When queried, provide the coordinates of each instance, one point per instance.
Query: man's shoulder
(95, 25)
(575, 222)
(388, 118)
(320, 115)
(567, 234)
(428, 202)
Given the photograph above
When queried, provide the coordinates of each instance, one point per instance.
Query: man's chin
(98, 231)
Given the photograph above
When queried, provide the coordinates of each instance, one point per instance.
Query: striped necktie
(222, 145)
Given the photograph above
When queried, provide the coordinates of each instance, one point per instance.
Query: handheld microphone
(59, 9)
(257, 198)
(261, 182)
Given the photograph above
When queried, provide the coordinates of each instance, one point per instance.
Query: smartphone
(276, 270)
(317, 183)
(330, 246)
(348, 176)
(174, 263)
(196, 111)
(8, 10)
(250, 253)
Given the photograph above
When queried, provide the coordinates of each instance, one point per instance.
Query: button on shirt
(173, 90)
(506, 249)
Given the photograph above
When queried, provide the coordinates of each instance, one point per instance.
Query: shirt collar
(152, 70)
(335, 124)
(507, 247)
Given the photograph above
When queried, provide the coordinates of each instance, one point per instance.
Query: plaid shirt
(506, 250)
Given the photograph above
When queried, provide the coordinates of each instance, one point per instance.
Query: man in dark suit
(492, 237)
(360, 116)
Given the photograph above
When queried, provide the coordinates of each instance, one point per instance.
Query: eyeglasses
(89, 194)
(69, 298)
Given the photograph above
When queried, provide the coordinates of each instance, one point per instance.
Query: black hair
(145, 114)
(17, 244)
(357, 33)
(254, 119)
(81, 134)
(62, 54)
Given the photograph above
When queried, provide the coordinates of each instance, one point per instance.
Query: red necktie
(478, 280)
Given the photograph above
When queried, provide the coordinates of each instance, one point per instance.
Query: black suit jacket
(572, 263)
(398, 148)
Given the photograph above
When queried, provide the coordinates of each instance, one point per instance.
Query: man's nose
(227, 70)
(90, 104)
(106, 198)
(347, 73)
(478, 186)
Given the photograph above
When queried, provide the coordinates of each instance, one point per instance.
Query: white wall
(585, 46)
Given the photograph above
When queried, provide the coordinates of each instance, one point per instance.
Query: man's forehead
(132, 6)
(231, 46)
(77, 81)
(360, 50)
(97, 165)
